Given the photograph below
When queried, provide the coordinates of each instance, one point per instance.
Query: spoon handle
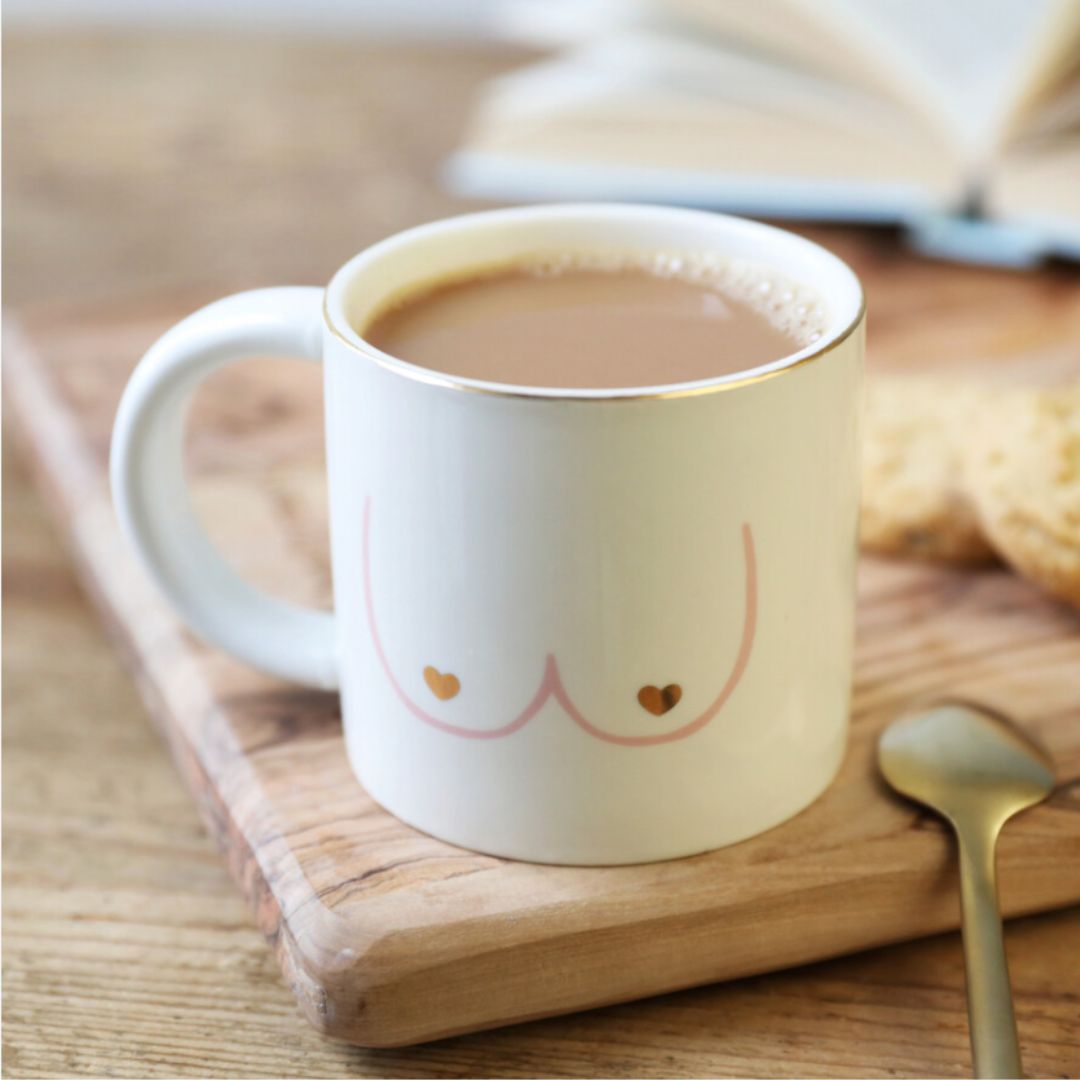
(992, 1024)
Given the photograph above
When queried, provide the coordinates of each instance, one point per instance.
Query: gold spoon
(976, 769)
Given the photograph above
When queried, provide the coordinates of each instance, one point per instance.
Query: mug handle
(151, 496)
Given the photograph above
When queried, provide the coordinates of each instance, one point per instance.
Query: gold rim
(449, 382)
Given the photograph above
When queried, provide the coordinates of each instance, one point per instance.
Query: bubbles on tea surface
(790, 307)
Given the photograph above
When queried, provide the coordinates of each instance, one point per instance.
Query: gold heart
(659, 701)
(444, 687)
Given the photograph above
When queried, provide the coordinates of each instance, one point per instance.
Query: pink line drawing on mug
(551, 684)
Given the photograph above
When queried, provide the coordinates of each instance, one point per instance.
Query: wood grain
(128, 951)
(95, 990)
(388, 936)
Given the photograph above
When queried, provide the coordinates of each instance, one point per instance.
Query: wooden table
(145, 164)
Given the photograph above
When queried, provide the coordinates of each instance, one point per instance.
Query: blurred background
(159, 146)
(176, 144)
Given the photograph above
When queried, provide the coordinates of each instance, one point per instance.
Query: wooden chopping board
(390, 937)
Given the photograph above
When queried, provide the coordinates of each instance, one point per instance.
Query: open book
(959, 118)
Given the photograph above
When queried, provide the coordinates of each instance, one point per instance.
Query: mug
(570, 626)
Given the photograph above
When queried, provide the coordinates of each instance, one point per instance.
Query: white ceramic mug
(570, 626)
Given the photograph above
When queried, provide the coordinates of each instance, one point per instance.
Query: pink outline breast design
(551, 684)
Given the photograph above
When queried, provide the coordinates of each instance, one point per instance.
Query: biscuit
(1022, 468)
(913, 498)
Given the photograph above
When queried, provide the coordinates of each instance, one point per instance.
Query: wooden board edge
(27, 390)
(361, 999)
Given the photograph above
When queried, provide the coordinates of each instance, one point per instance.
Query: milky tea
(590, 322)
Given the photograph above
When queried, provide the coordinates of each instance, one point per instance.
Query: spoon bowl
(960, 758)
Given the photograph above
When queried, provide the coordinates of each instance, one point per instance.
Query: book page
(641, 102)
(680, 69)
(968, 63)
(968, 67)
(1037, 186)
(1057, 111)
(1036, 180)
(789, 32)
